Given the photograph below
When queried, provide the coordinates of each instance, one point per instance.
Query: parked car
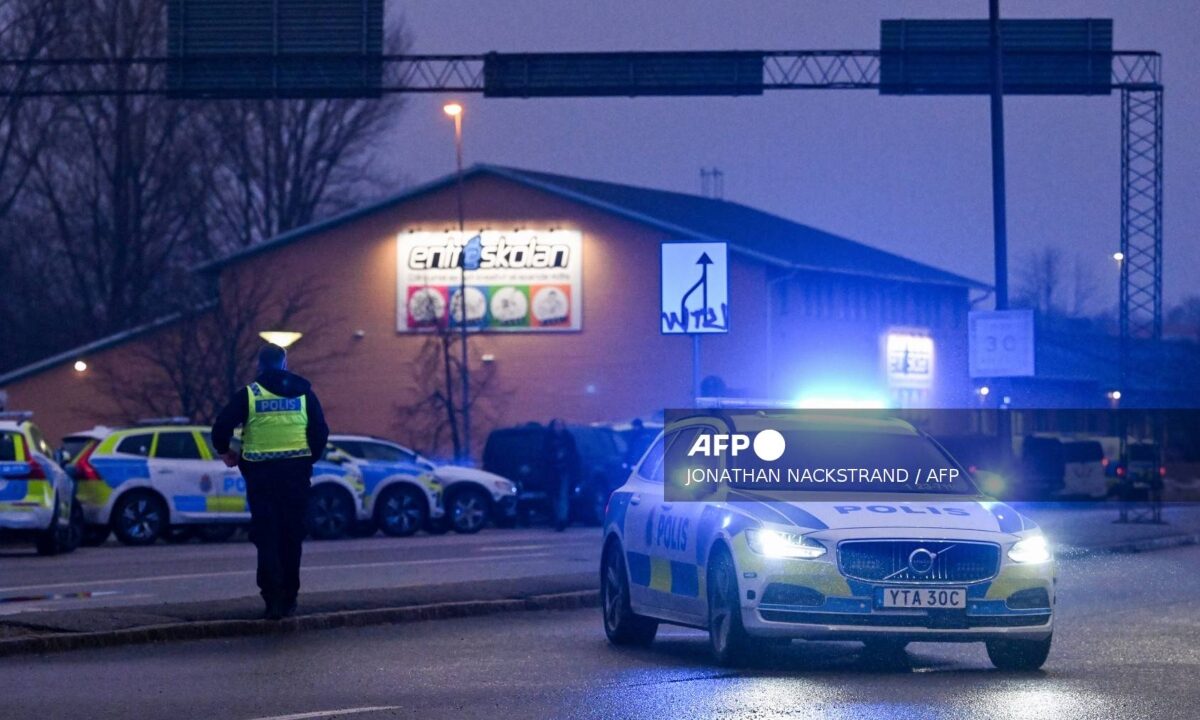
(158, 481)
(523, 455)
(400, 495)
(37, 497)
(1084, 469)
(470, 497)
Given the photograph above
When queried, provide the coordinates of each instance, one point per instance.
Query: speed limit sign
(1000, 343)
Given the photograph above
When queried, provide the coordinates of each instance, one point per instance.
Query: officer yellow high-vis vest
(276, 426)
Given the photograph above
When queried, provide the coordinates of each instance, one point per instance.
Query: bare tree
(111, 205)
(203, 355)
(434, 422)
(282, 164)
(1039, 281)
(1185, 317)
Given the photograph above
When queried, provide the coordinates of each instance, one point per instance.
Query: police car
(37, 498)
(882, 565)
(162, 478)
(469, 497)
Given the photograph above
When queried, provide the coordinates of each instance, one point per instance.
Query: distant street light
(282, 338)
(455, 111)
(80, 366)
(1118, 256)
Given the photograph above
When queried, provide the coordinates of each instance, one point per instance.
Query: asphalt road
(1127, 645)
(114, 575)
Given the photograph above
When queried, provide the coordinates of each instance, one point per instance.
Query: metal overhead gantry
(1136, 75)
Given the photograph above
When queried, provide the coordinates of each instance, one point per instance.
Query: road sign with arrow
(695, 288)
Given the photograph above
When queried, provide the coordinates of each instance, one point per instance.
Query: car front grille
(889, 561)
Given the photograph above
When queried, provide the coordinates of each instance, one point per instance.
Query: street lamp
(282, 338)
(1118, 256)
(455, 111)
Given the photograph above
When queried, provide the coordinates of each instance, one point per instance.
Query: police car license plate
(924, 598)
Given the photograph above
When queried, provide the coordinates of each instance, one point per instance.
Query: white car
(159, 480)
(37, 498)
(883, 566)
(469, 497)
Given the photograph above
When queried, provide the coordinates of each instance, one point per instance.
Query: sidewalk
(1075, 530)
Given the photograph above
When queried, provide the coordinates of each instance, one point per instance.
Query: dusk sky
(907, 174)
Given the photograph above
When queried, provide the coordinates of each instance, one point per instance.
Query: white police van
(877, 564)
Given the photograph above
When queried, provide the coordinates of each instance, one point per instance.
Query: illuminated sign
(909, 360)
(527, 280)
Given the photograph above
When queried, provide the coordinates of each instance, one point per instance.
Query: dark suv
(523, 454)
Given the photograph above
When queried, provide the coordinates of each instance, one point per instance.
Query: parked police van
(879, 563)
(163, 479)
(37, 498)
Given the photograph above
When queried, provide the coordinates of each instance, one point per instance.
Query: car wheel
(139, 518)
(330, 512)
(1023, 655)
(621, 624)
(400, 511)
(726, 636)
(216, 533)
(94, 535)
(469, 510)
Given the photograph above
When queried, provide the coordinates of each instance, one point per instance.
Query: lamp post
(455, 111)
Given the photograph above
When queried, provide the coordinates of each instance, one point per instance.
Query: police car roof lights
(16, 415)
(175, 420)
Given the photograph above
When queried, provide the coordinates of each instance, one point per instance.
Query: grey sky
(907, 174)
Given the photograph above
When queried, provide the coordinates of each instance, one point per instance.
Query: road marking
(492, 548)
(231, 573)
(330, 713)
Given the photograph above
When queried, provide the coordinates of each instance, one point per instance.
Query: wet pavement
(1127, 644)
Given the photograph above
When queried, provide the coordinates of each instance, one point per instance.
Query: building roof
(751, 232)
(95, 346)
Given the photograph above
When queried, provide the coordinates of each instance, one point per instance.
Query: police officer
(283, 434)
(564, 460)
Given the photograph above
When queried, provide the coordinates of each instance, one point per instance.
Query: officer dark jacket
(284, 384)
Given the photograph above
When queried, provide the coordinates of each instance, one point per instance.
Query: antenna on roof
(712, 183)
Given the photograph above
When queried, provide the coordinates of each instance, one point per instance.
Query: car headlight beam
(777, 544)
(1030, 551)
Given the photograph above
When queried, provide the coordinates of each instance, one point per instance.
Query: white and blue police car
(886, 563)
(163, 479)
(37, 498)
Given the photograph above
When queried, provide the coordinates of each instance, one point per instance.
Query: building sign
(909, 359)
(695, 288)
(526, 281)
(1000, 343)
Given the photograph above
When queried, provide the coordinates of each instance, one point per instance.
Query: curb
(213, 629)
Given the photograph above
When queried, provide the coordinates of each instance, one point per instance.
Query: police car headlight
(774, 543)
(504, 487)
(1030, 550)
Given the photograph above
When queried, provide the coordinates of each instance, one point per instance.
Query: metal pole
(462, 292)
(695, 367)
(999, 210)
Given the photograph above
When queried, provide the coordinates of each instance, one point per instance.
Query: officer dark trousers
(277, 492)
